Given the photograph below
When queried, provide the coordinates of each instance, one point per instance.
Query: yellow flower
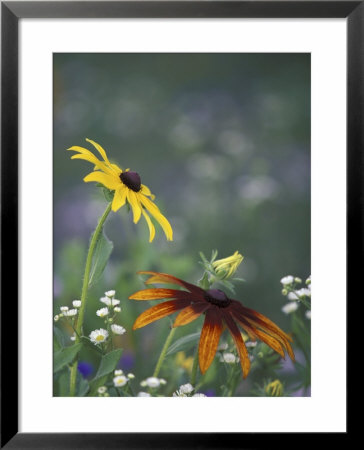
(184, 362)
(226, 267)
(274, 389)
(127, 187)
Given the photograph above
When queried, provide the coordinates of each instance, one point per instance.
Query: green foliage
(65, 356)
(62, 384)
(184, 343)
(107, 365)
(100, 258)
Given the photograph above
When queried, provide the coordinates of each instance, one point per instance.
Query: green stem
(194, 368)
(163, 352)
(86, 277)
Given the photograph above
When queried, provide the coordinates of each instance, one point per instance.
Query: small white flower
(308, 281)
(229, 358)
(71, 312)
(162, 381)
(152, 382)
(131, 376)
(102, 312)
(179, 394)
(304, 292)
(110, 294)
(186, 388)
(251, 344)
(143, 383)
(117, 309)
(120, 381)
(56, 318)
(223, 346)
(308, 314)
(290, 308)
(102, 389)
(143, 394)
(76, 303)
(99, 336)
(293, 296)
(287, 280)
(64, 308)
(117, 329)
(297, 280)
(73, 337)
(109, 301)
(118, 372)
(199, 394)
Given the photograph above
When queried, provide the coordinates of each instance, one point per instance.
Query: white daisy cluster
(153, 382)
(67, 312)
(102, 391)
(186, 390)
(109, 312)
(294, 295)
(120, 379)
(143, 394)
(229, 358)
(109, 299)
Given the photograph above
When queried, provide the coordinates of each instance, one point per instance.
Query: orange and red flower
(219, 310)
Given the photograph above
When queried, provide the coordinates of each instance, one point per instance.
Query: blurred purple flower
(127, 361)
(85, 368)
(210, 393)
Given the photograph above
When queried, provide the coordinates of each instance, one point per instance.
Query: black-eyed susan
(127, 187)
(219, 311)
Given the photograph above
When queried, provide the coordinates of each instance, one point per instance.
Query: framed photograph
(174, 176)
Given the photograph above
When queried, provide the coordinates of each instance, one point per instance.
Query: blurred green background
(222, 140)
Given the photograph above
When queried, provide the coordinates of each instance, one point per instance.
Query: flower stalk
(86, 277)
(164, 352)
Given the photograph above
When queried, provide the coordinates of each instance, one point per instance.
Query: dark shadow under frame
(11, 12)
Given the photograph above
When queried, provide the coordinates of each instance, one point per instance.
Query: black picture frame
(11, 12)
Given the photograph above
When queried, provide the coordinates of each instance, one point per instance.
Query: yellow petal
(146, 191)
(108, 181)
(135, 205)
(153, 209)
(150, 226)
(92, 159)
(119, 199)
(100, 150)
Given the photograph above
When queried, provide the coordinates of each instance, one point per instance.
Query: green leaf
(102, 252)
(107, 365)
(65, 356)
(82, 386)
(62, 385)
(109, 362)
(109, 195)
(59, 337)
(183, 343)
(86, 341)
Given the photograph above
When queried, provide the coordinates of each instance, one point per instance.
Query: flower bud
(226, 267)
(274, 389)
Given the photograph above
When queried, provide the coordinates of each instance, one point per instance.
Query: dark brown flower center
(131, 180)
(217, 297)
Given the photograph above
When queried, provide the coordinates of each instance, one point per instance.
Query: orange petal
(260, 318)
(209, 339)
(281, 339)
(255, 321)
(159, 311)
(239, 342)
(170, 279)
(190, 313)
(160, 293)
